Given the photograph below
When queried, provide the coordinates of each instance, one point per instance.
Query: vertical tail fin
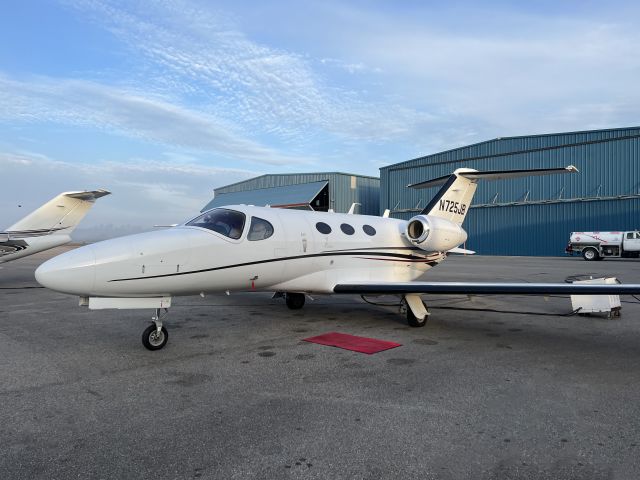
(453, 200)
(61, 214)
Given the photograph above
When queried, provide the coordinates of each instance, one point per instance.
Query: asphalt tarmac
(525, 392)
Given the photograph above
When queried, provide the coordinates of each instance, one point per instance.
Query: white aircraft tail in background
(48, 226)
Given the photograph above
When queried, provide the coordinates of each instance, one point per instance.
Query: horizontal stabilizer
(494, 175)
(486, 288)
(88, 195)
(453, 201)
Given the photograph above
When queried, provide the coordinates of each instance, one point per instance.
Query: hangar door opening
(320, 203)
(301, 196)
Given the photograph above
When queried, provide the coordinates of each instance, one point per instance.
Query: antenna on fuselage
(353, 208)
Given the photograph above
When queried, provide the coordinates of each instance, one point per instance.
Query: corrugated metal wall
(532, 216)
(344, 188)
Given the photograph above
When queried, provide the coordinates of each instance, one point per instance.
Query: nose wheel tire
(295, 301)
(414, 321)
(154, 340)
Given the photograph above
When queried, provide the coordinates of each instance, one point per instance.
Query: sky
(161, 101)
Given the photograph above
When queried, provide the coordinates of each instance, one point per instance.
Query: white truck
(599, 245)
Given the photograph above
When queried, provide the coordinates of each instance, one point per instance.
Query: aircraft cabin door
(266, 241)
(299, 247)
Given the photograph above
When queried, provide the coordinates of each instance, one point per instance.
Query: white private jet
(291, 252)
(47, 227)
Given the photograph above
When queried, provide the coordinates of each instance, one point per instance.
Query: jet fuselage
(303, 252)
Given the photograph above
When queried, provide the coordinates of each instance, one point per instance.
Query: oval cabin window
(347, 229)
(323, 228)
(369, 230)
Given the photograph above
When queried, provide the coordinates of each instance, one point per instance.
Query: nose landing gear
(155, 336)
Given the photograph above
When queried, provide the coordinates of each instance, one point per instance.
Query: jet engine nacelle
(434, 234)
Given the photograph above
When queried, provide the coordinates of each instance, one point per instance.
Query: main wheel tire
(295, 301)
(590, 254)
(414, 321)
(154, 340)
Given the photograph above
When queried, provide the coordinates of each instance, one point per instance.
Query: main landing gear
(295, 301)
(155, 336)
(416, 309)
(411, 305)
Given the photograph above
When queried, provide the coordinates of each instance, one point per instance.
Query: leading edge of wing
(487, 288)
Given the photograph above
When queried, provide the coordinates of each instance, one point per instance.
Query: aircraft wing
(486, 288)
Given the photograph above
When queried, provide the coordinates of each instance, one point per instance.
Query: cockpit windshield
(225, 222)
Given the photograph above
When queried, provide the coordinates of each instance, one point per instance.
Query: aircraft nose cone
(72, 272)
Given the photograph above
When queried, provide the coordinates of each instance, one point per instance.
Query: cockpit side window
(260, 229)
(225, 222)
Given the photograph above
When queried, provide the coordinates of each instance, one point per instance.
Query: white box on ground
(597, 303)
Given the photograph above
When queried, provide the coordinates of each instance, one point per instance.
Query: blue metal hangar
(535, 215)
(321, 191)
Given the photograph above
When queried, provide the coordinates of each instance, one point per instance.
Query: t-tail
(59, 215)
(453, 200)
(47, 227)
(438, 228)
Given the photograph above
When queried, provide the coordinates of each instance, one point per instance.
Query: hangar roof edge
(416, 160)
(299, 173)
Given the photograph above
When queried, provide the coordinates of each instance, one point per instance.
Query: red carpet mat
(351, 342)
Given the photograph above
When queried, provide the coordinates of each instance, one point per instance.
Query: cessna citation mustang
(292, 252)
(47, 227)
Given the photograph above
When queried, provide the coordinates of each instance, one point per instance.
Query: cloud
(350, 67)
(348, 85)
(144, 192)
(505, 72)
(274, 90)
(81, 102)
